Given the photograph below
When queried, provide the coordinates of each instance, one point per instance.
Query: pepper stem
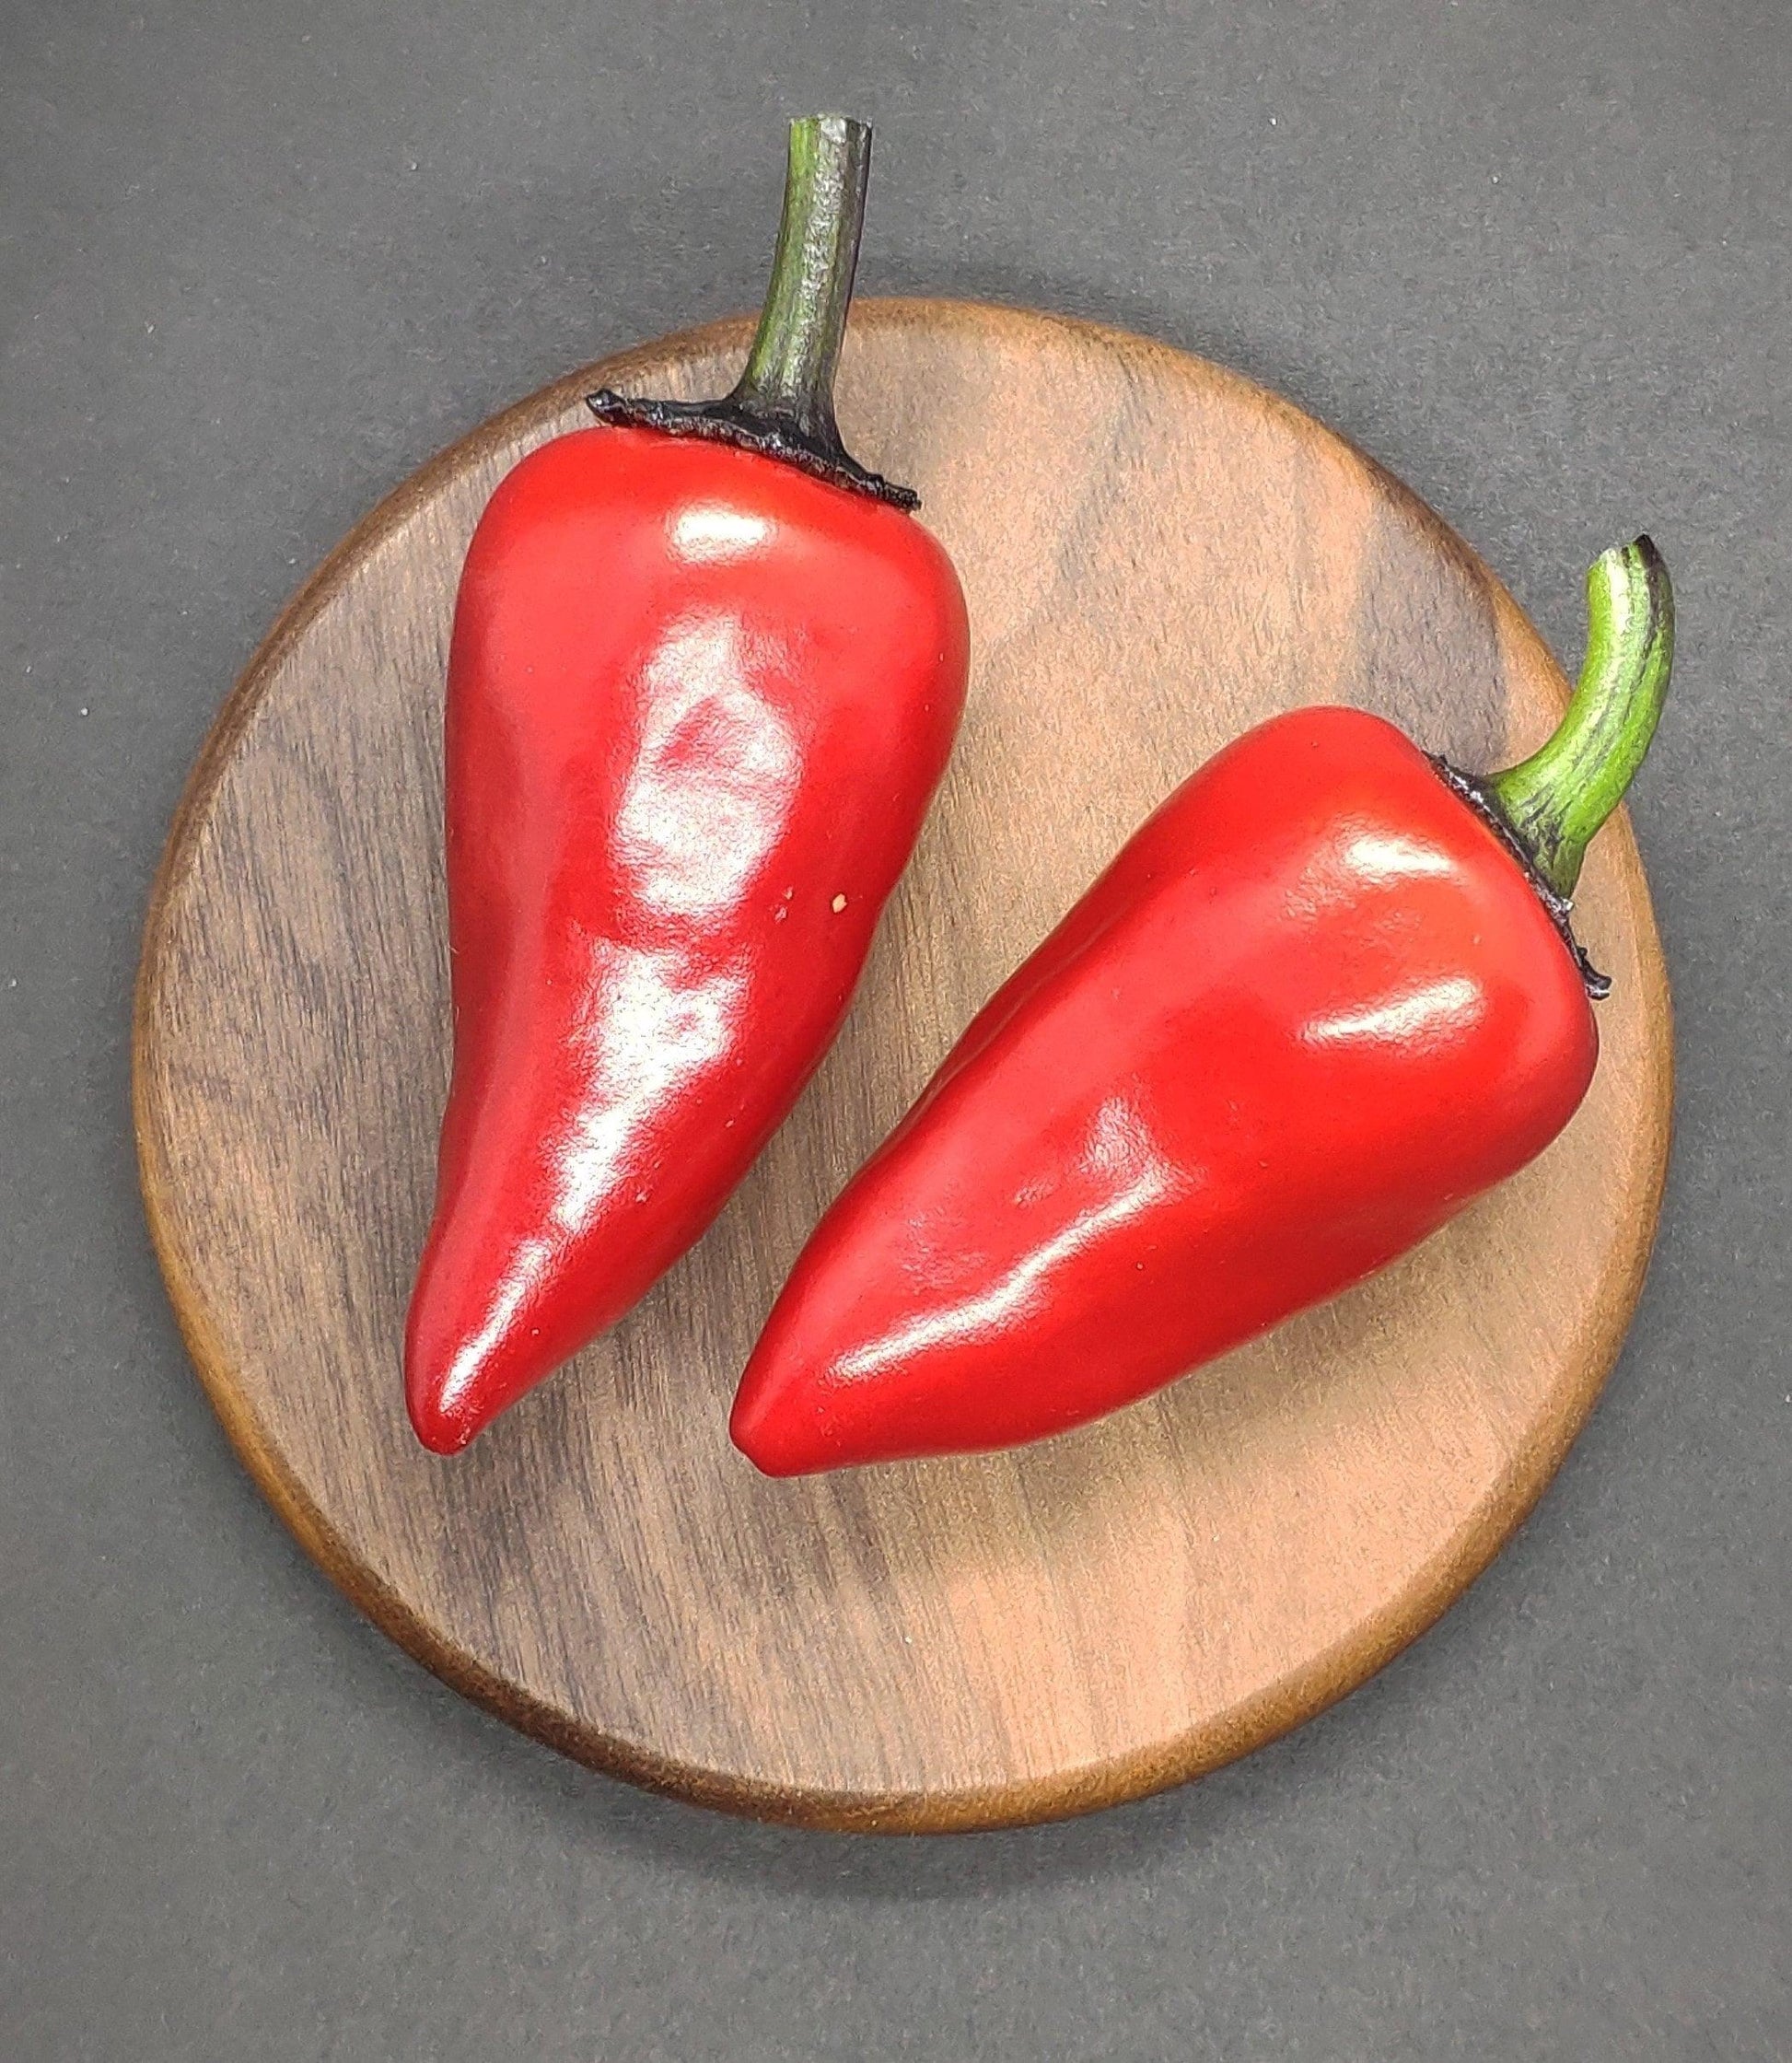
(783, 404)
(1554, 802)
(790, 368)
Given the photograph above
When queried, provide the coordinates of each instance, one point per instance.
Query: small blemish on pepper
(839, 905)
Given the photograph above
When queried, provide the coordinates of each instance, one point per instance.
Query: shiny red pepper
(1325, 996)
(705, 677)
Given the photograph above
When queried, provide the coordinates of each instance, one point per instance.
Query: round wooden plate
(1157, 553)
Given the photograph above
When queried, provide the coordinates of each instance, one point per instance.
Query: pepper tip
(774, 1439)
(441, 1430)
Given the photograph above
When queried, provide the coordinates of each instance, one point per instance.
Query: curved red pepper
(698, 699)
(1316, 1006)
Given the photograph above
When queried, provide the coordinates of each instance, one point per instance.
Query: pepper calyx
(1560, 908)
(771, 435)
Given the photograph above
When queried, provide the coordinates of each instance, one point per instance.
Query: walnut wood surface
(1157, 554)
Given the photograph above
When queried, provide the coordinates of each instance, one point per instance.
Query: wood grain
(1157, 553)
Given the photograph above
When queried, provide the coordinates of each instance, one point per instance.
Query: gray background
(256, 262)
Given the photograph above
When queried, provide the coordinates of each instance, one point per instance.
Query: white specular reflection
(521, 1276)
(649, 1026)
(713, 776)
(710, 532)
(1122, 1157)
(1383, 857)
(1438, 1011)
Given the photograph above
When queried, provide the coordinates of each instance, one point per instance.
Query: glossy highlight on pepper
(1318, 1003)
(699, 697)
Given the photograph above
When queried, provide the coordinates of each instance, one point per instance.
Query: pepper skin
(698, 700)
(1315, 1005)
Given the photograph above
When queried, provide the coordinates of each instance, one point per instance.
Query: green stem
(782, 406)
(790, 369)
(1554, 802)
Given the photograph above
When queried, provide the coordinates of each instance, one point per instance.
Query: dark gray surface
(256, 261)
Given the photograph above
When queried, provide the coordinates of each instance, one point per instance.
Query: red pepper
(705, 677)
(1325, 996)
